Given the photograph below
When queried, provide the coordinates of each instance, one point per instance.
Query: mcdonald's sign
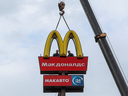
(72, 65)
(63, 44)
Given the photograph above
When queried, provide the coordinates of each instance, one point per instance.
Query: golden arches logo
(63, 44)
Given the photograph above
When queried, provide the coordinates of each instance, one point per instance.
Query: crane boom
(113, 66)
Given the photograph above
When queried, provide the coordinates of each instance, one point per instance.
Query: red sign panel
(71, 83)
(56, 80)
(72, 65)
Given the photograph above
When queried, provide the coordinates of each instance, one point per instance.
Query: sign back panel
(54, 65)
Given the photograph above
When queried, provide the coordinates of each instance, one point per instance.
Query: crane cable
(117, 61)
(61, 6)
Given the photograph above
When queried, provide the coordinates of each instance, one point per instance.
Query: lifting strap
(61, 6)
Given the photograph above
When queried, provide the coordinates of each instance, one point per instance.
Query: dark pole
(113, 66)
(62, 93)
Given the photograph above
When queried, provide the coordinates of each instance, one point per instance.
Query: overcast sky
(24, 27)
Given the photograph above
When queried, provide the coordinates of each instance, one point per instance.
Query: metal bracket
(103, 35)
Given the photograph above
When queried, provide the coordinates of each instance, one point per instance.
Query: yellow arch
(63, 44)
(49, 41)
(77, 43)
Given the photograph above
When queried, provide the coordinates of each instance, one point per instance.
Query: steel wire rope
(118, 61)
(64, 21)
(58, 23)
(110, 46)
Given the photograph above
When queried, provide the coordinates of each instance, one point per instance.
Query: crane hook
(61, 6)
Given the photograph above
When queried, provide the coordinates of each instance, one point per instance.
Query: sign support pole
(113, 66)
(62, 89)
(62, 93)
